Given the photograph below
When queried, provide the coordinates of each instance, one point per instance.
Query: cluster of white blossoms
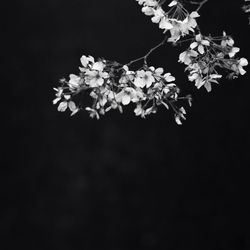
(177, 20)
(109, 85)
(206, 55)
(113, 86)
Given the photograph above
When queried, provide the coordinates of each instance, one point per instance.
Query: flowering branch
(112, 85)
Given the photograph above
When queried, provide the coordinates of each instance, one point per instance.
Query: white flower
(241, 63)
(180, 115)
(95, 78)
(227, 40)
(74, 81)
(199, 43)
(72, 107)
(194, 14)
(169, 78)
(189, 23)
(157, 72)
(212, 78)
(128, 95)
(169, 87)
(148, 11)
(186, 56)
(62, 106)
(128, 76)
(139, 111)
(123, 97)
(150, 110)
(86, 60)
(143, 78)
(193, 77)
(175, 32)
(165, 24)
(199, 81)
(158, 15)
(102, 101)
(233, 51)
(182, 28)
(92, 112)
(99, 66)
(178, 120)
(67, 104)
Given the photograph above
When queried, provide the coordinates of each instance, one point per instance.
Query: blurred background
(121, 182)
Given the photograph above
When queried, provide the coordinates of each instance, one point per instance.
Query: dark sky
(121, 182)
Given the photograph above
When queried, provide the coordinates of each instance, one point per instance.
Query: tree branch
(144, 58)
(200, 4)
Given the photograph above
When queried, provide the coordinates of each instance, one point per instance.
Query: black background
(121, 182)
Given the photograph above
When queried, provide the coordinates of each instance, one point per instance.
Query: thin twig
(144, 58)
(184, 40)
(200, 4)
(154, 48)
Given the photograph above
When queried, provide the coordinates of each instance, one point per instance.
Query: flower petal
(173, 3)
(126, 99)
(62, 106)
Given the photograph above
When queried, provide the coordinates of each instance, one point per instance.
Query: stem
(161, 2)
(144, 58)
(136, 60)
(154, 48)
(200, 4)
(173, 106)
(184, 40)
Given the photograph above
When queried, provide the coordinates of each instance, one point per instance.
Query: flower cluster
(113, 86)
(109, 85)
(206, 55)
(177, 20)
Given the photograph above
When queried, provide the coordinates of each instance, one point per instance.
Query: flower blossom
(112, 86)
(67, 103)
(175, 24)
(182, 28)
(86, 60)
(240, 64)
(158, 14)
(180, 116)
(127, 76)
(187, 56)
(95, 77)
(226, 40)
(203, 64)
(148, 11)
(74, 81)
(143, 78)
(199, 42)
(128, 95)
